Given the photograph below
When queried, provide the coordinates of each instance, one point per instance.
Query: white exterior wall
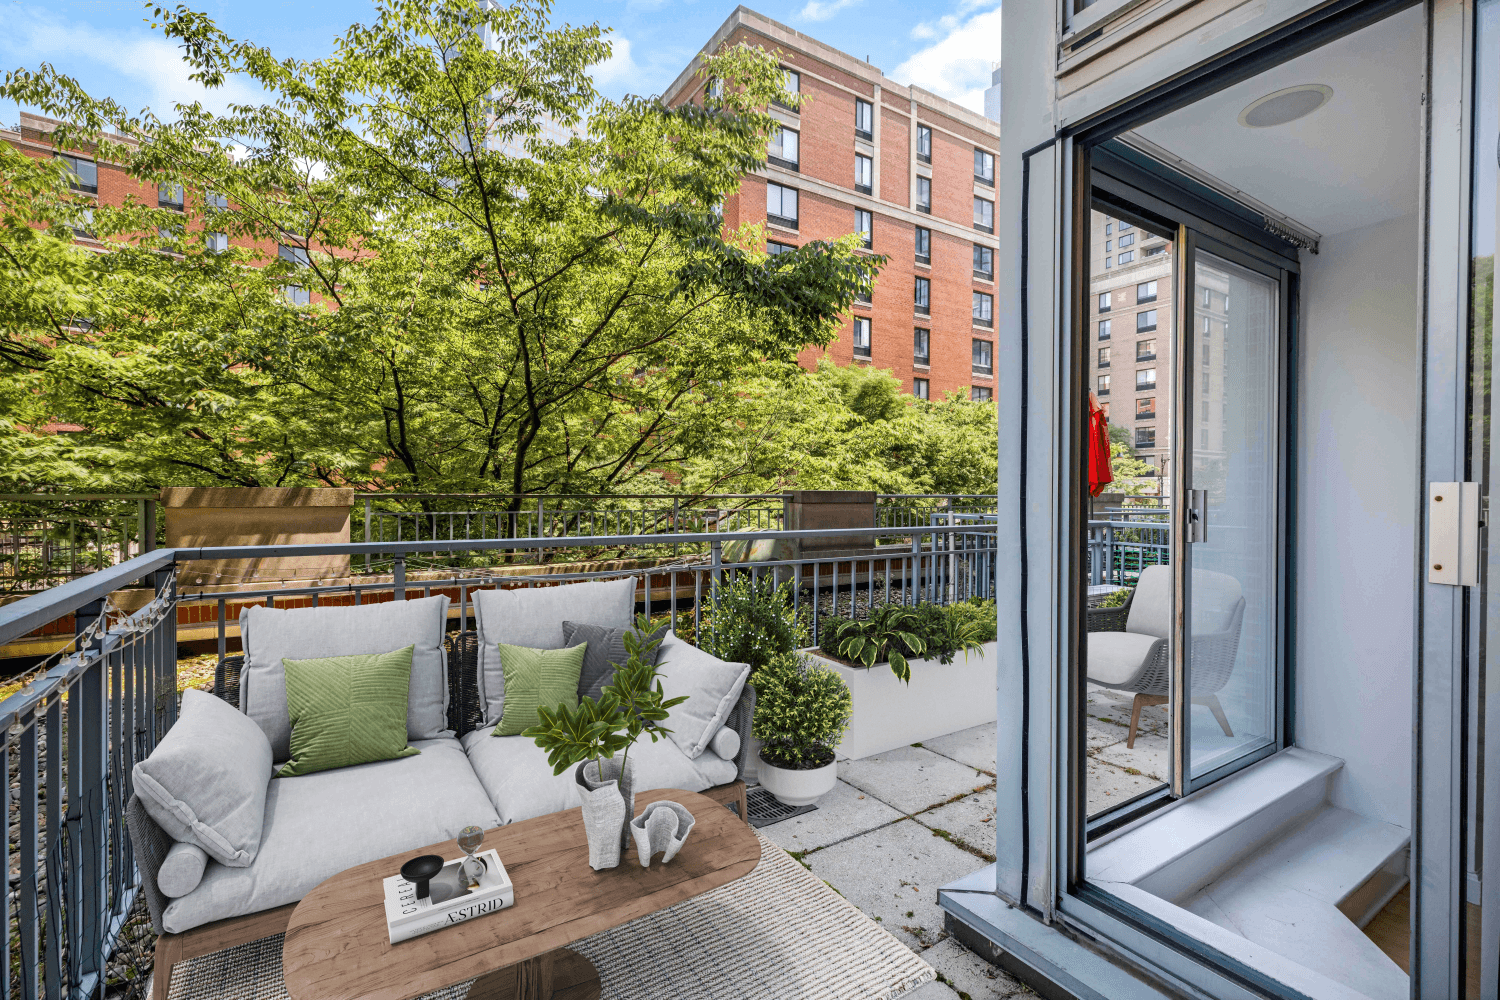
(1359, 427)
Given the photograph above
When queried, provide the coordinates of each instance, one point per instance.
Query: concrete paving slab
(843, 813)
(970, 820)
(1111, 704)
(1109, 785)
(893, 875)
(1150, 755)
(967, 973)
(931, 991)
(975, 747)
(912, 778)
(1101, 733)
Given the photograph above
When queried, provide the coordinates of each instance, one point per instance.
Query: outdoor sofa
(317, 825)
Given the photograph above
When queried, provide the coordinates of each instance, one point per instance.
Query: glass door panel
(1231, 434)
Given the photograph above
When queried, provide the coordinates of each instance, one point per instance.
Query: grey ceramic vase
(661, 827)
(608, 802)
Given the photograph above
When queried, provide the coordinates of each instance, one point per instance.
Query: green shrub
(751, 622)
(1115, 598)
(895, 633)
(801, 711)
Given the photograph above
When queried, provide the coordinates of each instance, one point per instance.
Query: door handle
(1453, 521)
(1197, 516)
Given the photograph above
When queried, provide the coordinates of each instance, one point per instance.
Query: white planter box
(941, 699)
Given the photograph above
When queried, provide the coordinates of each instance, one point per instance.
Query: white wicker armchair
(1137, 659)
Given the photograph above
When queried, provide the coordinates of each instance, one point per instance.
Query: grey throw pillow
(205, 783)
(711, 685)
(606, 651)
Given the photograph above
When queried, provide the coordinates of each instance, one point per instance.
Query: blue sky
(944, 46)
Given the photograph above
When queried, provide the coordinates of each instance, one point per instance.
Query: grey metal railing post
(367, 532)
(676, 520)
(399, 577)
(952, 558)
(716, 564)
(916, 566)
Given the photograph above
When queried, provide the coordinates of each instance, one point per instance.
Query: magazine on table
(449, 901)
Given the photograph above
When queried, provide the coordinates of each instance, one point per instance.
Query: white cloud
(620, 68)
(957, 64)
(152, 66)
(822, 10)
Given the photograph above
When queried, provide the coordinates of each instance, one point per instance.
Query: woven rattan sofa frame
(465, 714)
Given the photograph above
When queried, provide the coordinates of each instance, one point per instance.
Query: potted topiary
(590, 736)
(801, 712)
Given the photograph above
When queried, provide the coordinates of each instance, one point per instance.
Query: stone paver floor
(1115, 773)
(897, 827)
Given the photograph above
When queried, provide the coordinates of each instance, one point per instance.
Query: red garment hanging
(1100, 473)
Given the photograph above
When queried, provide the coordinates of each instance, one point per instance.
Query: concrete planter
(798, 788)
(941, 699)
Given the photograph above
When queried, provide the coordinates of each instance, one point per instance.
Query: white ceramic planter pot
(942, 698)
(797, 788)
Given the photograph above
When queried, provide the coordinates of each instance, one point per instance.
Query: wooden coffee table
(337, 945)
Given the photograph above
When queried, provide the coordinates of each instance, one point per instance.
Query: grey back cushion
(711, 685)
(271, 634)
(605, 652)
(533, 617)
(1215, 599)
(205, 783)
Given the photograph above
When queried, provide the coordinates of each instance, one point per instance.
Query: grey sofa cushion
(726, 743)
(711, 685)
(606, 651)
(182, 870)
(271, 634)
(534, 616)
(321, 824)
(206, 781)
(520, 784)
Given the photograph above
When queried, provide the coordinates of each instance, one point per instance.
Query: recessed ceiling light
(1286, 105)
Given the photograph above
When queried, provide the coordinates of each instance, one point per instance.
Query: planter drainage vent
(765, 810)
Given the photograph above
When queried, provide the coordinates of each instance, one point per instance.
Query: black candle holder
(420, 870)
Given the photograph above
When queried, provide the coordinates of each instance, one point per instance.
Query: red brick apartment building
(110, 183)
(913, 172)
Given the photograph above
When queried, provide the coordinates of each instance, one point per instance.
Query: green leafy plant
(891, 633)
(632, 705)
(752, 622)
(801, 712)
(1115, 599)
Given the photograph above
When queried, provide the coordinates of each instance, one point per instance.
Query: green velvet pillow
(347, 710)
(535, 677)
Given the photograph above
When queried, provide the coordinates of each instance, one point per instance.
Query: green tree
(563, 321)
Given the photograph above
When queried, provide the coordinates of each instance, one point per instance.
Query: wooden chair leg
(744, 803)
(1212, 701)
(1136, 704)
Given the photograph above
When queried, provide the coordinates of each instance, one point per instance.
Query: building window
(792, 84)
(1104, 325)
(216, 242)
(296, 295)
(1153, 251)
(984, 215)
(923, 296)
(864, 174)
(83, 175)
(1145, 350)
(924, 144)
(1145, 409)
(215, 201)
(862, 337)
(924, 245)
(1126, 241)
(1103, 357)
(1145, 379)
(862, 297)
(924, 195)
(984, 262)
(1145, 437)
(921, 346)
(1105, 298)
(169, 196)
(984, 309)
(776, 249)
(1125, 225)
(983, 357)
(1103, 385)
(1145, 321)
(981, 393)
(1107, 246)
(1205, 326)
(1145, 291)
(781, 205)
(1109, 262)
(1127, 257)
(864, 224)
(864, 119)
(1109, 227)
(984, 167)
(85, 224)
(1205, 353)
(919, 388)
(783, 148)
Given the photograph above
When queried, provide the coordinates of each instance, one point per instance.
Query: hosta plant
(892, 633)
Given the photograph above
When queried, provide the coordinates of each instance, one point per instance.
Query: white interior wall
(1358, 421)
